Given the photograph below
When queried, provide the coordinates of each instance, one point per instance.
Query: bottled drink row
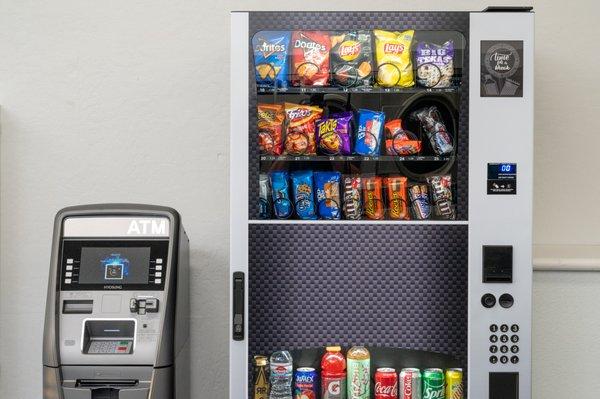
(299, 129)
(329, 195)
(349, 377)
(349, 59)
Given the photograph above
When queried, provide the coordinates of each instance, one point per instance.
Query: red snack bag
(399, 141)
(310, 58)
(300, 138)
(270, 128)
(373, 204)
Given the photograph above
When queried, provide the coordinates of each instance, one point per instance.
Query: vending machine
(381, 198)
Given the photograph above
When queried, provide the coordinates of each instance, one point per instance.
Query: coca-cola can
(386, 383)
(409, 383)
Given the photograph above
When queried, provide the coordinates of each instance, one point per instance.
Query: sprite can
(433, 384)
(454, 384)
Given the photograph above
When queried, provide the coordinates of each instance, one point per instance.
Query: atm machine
(117, 312)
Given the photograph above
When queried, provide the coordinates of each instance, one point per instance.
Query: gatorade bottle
(333, 374)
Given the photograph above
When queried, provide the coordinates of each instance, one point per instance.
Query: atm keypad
(506, 334)
(98, 347)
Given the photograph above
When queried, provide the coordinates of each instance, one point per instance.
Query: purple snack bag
(435, 64)
(334, 134)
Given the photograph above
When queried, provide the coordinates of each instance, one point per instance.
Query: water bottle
(281, 375)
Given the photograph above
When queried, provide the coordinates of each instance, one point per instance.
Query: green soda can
(433, 384)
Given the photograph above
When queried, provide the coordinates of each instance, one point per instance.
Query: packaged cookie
(303, 194)
(328, 194)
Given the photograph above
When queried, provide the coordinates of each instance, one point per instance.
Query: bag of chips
(399, 141)
(304, 200)
(270, 128)
(435, 64)
(370, 129)
(394, 65)
(333, 134)
(271, 58)
(351, 59)
(310, 58)
(281, 194)
(328, 194)
(300, 135)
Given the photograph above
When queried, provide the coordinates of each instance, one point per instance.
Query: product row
(297, 129)
(349, 377)
(349, 59)
(312, 195)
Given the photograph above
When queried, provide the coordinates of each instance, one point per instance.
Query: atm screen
(114, 265)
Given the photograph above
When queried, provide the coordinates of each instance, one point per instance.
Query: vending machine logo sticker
(501, 68)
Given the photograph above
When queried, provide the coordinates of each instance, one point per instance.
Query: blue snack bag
(329, 202)
(369, 132)
(271, 58)
(303, 194)
(282, 205)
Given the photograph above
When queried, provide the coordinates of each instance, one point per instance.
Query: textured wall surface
(128, 101)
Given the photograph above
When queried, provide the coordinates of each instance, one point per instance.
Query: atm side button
(158, 267)
(157, 281)
(158, 260)
(69, 261)
(67, 281)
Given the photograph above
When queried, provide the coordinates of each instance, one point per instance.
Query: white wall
(128, 101)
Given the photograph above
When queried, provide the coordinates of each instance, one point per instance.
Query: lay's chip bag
(271, 58)
(393, 55)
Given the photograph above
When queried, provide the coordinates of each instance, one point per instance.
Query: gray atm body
(117, 312)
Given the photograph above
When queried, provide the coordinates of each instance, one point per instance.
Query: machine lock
(143, 306)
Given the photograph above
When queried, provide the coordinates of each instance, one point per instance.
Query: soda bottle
(333, 374)
(359, 373)
(281, 375)
(261, 377)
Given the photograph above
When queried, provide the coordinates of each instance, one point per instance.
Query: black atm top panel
(113, 265)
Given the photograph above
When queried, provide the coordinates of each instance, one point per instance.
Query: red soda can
(386, 383)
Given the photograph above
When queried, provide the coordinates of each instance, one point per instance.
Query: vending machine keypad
(507, 334)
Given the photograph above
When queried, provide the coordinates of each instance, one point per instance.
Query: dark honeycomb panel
(400, 286)
(458, 21)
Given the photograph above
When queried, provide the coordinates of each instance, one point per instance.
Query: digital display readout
(502, 178)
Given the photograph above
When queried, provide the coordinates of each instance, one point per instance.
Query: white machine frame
(492, 219)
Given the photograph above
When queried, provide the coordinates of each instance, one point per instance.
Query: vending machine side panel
(500, 204)
(238, 178)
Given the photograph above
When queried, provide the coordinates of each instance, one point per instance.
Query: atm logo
(147, 226)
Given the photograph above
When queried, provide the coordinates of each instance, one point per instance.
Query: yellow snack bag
(393, 54)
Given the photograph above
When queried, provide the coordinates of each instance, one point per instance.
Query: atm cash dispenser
(117, 312)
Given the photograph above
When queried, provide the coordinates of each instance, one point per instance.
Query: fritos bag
(310, 58)
(393, 54)
(300, 138)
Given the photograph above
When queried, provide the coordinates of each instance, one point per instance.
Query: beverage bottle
(333, 374)
(281, 375)
(359, 373)
(261, 377)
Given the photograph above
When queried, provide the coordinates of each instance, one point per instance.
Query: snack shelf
(363, 90)
(353, 158)
(346, 221)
